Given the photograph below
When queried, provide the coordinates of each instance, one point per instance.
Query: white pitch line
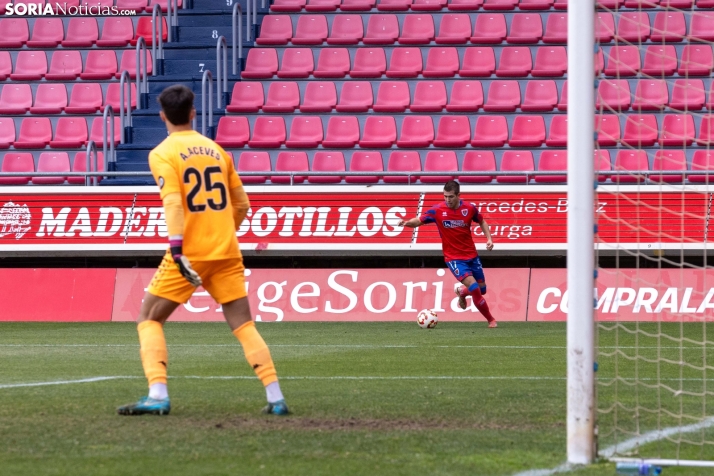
(62, 382)
(365, 346)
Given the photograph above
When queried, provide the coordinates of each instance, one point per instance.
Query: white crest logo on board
(13, 218)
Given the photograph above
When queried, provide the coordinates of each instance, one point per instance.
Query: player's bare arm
(413, 223)
(487, 234)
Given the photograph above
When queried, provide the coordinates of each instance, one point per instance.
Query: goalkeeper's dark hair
(452, 186)
(177, 104)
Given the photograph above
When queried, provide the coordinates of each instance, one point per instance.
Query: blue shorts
(463, 268)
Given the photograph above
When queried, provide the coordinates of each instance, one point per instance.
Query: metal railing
(222, 71)
(111, 158)
(142, 76)
(91, 151)
(206, 79)
(125, 118)
(157, 36)
(237, 24)
(172, 17)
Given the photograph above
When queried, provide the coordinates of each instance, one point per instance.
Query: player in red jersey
(453, 218)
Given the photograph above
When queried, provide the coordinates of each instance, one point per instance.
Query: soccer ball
(427, 319)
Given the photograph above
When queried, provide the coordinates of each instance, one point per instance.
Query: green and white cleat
(462, 299)
(277, 408)
(146, 406)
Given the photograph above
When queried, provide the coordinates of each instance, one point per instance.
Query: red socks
(480, 302)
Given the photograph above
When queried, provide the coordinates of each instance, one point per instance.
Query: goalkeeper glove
(183, 264)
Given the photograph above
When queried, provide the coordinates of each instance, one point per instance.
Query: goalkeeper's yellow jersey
(202, 172)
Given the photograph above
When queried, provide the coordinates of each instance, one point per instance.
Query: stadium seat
(381, 30)
(128, 63)
(669, 160)
(346, 30)
(322, 5)
(630, 161)
(525, 28)
(550, 61)
(558, 131)
(116, 31)
(535, 4)
(696, 60)
(143, 29)
(163, 4)
(417, 30)
(305, 132)
(100, 64)
(261, 63)
(453, 131)
(603, 163)
(503, 96)
(96, 133)
(528, 131)
(607, 128)
(613, 94)
(70, 133)
(232, 131)
(677, 3)
(137, 5)
(479, 61)
(440, 161)
(599, 62)
(552, 161)
(405, 63)
(640, 130)
(489, 28)
(633, 27)
(79, 164)
(296, 63)
(320, 96)
(283, 97)
(540, 96)
(560, 4)
(516, 161)
(253, 162)
(247, 96)
(500, 4)
(332, 63)
(428, 5)
(701, 26)
(357, 5)
(64, 66)
(83, 32)
(454, 29)
(35, 133)
(702, 160)
(687, 95)
(113, 97)
(441, 63)
(668, 27)
(394, 5)
(429, 96)
(677, 130)
(355, 96)
(408, 161)
(5, 65)
(466, 96)
(481, 161)
(287, 6)
(651, 95)
(342, 131)
(52, 162)
(623, 61)
(706, 131)
(392, 96)
(275, 30)
(369, 63)
(17, 162)
(379, 132)
(660, 60)
(416, 131)
(15, 99)
(327, 162)
(291, 162)
(268, 132)
(460, 5)
(310, 30)
(490, 131)
(556, 29)
(29, 66)
(604, 27)
(46, 33)
(7, 132)
(515, 61)
(50, 98)
(368, 161)
(563, 102)
(86, 98)
(14, 32)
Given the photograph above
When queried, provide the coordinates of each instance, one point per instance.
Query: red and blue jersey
(454, 227)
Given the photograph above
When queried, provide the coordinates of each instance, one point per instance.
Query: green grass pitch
(367, 399)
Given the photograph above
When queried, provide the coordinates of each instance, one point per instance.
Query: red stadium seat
(417, 30)
(460, 5)
(394, 5)
(310, 30)
(702, 160)
(100, 64)
(525, 28)
(631, 161)
(540, 96)
(381, 30)
(128, 63)
(454, 29)
(706, 131)
(143, 29)
(613, 94)
(405, 63)
(268, 132)
(370, 161)
(50, 98)
(322, 5)
(669, 160)
(296, 63)
(342, 131)
(607, 129)
(332, 63)
(52, 162)
(651, 95)
(453, 131)
(633, 27)
(29, 66)
(253, 162)
(35, 133)
(440, 161)
(641, 3)
(5, 65)
(113, 97)
(379, 132)
(441, 62)
(668, 27)
(428, 5)
(319, 96)
(283, 97)
(261, 63)
(623, 61)
(535, 4)
(409, 161)
(70, 133)
(515, 61)
(490, 131)
(640, 130)
(701, 26)
(14, 32)
(696, 60)
(556, 28)
(275, 30)
(503, 96)
(357, 5)
(500, 4)
(392, 96)
(346, 30)
(489, 28)
(677, 130)
(429, 96)
(7, 132)
(86, 98)
(604, 27)
(83, 32)
(369, 63)
(479, 61)
(65, 65)
(232, 131)
(247, 96)
(563, 102)
(560, 4)
(550, 61)
(96, 133)
(466, 96)
(116, 31)
(528, 131)
(291, 162)
(660, 60)
(516, 161)
(417, 131)
(558, 132)
(15, 99)
(46, 33)
(552, 161)
(163, 4)
(327, 162)
(355, 96)
(481, 161)
(305, 132)
(687, 95)
(677, 3)
(599, 62)
(287, 6)
(602, 163)
(17, 162)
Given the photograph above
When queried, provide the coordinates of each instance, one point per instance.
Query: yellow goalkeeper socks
(256, 353)
(154, 355)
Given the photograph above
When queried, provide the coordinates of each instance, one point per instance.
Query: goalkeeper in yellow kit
(204, 204)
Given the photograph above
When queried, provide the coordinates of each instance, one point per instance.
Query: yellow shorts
(223, 279)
